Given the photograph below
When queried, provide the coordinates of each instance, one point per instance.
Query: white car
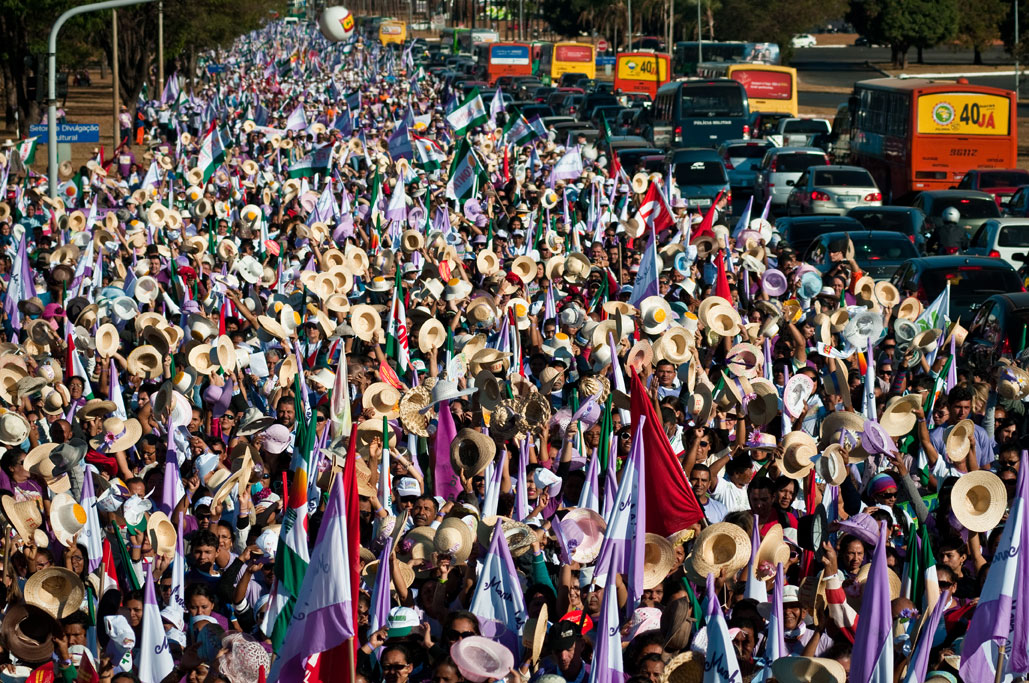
(803, 40)
(1001, 238)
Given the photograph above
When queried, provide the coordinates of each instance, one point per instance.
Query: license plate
(700, 201)
(850, 197)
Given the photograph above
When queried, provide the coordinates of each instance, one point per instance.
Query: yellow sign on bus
(963, 114)
(642, 67)
(392, 32)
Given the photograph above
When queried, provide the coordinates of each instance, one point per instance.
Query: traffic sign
(68, 132)
(215, 68)
(601, 45)
(605, 61)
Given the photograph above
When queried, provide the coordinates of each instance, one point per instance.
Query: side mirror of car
(791, 183)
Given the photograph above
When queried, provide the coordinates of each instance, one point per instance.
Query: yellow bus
(392, 32)
(579, 58)
(770, 88)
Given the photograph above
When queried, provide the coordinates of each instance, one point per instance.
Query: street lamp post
(116, 86)
(160, 47)
(51, 94)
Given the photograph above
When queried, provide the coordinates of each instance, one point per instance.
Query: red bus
(641, 72)
(508, 59)
(916, 134)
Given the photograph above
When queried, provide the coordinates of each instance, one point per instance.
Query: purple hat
(276, 439)
(481, 659)
(861, 526)
(589, 412)
(773, 282)
(874, 439)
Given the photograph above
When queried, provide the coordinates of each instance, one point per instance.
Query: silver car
(832, 190)
(779, 170)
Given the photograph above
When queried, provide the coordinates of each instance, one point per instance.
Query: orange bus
(916, 134)
(641, 72)
(508, 59)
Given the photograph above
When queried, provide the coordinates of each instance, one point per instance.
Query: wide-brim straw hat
(808, 670)
(926, 341)
(365, 322)
(490, 393)
(658, 560)
(832, 466)
(675, 345)
(886, 294)
(958, 440)
(720, 317)
(24, 516)
(431, 335)
(898, 417)
(67, 518)
(55, 590)
(118, 435)
(745, 359)
(402, 574)
(891, 576)
(839, 420)
(487, 262)
(417, 545)
(107, 340)
(863, 327)
(583, 530)
(383, 398)
(910, 309)
(720, 546)
(525, 268)
(764, 406)
(454, 538)
(162, 534)
(519, 536)
(534, 634)
(485, 359)
(412, 404)
(772, 550)
(471, 451)
(577, 268)
(799, 448)
(979, 500)
(145, 361)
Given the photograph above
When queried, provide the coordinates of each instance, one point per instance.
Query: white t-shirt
(731, 496)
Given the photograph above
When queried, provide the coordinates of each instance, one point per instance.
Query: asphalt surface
(843, 66)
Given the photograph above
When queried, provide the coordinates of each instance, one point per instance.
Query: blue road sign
(603, 60)
(67, 132)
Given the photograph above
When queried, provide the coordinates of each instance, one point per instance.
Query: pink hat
(480, 659)
(52, 311)
(643, 619)
(275, 439)
(773, 282)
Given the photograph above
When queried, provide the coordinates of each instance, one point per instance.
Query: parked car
(797, 132)
(832, 190)
(1001, 183)
(779, 170)
(998, 329)
(634, 159)
(800, 231)
(905, 220)
(802, 40)
(974, 207)
(700, 176)
(763, 124)
(972, 280)
(742, 159)
(571, 104)
(571, 78)
(878, 252)
(1018, 204)
(1004, 238)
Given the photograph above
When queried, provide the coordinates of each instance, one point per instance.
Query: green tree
(917, 23)
(1007, 31)
(978, 29)
(775, 21)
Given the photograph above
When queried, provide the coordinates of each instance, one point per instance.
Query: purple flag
(775, 641)
(155, 659)
(92, 535)
(446, 480)
(323, 616)
(610, 488)
(755, 588)
(492, 497)
(1020, 629)
(991, 624)
(872, 661)
(522, 508)
(720, 663)
(623, 549)
(608, 666)
(919, 662)
(589, 497)
(379, 612)
(498, 601)
(171, 481)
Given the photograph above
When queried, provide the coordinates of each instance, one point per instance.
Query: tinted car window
(843, 178)
(1014, 236)
(712, 100)
(795, 163)
(970, 280)
(870, 249)
(805, 126)
(700, 173)
(1002, 179)
(895, 221)
(968, 207)
(748, 151)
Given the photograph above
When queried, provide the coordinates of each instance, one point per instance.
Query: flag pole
(1000, 663)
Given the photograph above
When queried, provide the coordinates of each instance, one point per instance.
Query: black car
(633, 159)
(906, 220)
(878, 252)
(972, 280)
(1000, 328)
(801, 231)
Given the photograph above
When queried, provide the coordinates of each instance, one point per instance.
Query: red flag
(707, 225)
(654, 212)
(671, 505)
(109, 576)
(722, 281)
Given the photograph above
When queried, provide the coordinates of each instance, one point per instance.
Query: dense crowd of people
(345, 374)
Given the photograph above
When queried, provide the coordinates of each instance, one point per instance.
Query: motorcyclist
(950, 237)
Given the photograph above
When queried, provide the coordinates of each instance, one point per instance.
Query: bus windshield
(704, 101)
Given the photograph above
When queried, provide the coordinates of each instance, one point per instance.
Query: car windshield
(801, 233)
(843, 177)
(988, 181)
(1014, 236)
(700, 173)
(706, 101)
(796, 163)
(811, 126)
(895, 221)
(968, 207)
(870, 249)
(747, 151)
(970, 281)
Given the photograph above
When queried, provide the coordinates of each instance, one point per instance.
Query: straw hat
(891, 576)
(57, 591)
(979, 500)
(403, 574)
(836, 382)
(720, 546)
(658, 560)
(525, 268)
(145, 361)
(863, 327)
(719, 316)
(958, 440)
(910, 309)
(490, 393)
(383, 398)
(773, 550)
(412, 404)
(199, 359)
(107, 340)
(837, 421)
(764, 406)
(926, 341)
(454, 537)
(577, 268)
(799, 448)
(864, 289)
(14, 429)
(832, 466)
(745, 360)
(519, 536)
(162, 534)
(365, 322)
(640, 355)
(471, 451)
(432, 335)
(67, 518)
(686, 667)
(808, 670)
(534, 634)
(486, 359)
(898, 418)
(487, 262)
(118, 435)
(583, 530)
(25, 516)
(226, 353)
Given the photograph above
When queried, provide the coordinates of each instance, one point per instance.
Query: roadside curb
(873, 67)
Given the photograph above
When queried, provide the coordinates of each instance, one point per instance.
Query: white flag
(155, 659)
